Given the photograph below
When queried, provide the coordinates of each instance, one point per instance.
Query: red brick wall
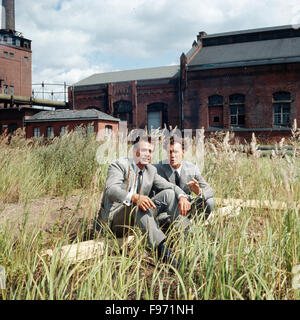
(98, 125)
(15, 116)
(140, 96)
(257, 84)
(16, 71)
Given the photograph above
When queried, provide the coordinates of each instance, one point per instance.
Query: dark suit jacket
(188, 171)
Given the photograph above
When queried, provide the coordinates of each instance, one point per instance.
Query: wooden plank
(262, 204)
(85, 250)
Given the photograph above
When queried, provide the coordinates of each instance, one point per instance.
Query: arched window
(215, 100)
(215, 111)
(237, 110)
(157, 115)
(282, 107)
(123, 110)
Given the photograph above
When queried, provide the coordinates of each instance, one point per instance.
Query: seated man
(187, 176)
(129, 182)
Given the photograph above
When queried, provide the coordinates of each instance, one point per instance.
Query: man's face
(175, 154)
(143, 155)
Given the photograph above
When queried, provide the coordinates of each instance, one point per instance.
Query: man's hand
(184, 205)
(143, 202)
(194, 186)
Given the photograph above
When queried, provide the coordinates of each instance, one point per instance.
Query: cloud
(75, 38)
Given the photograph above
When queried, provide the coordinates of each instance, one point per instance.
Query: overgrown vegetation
(251, 255)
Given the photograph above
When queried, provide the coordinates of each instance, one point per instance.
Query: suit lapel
(169, 173)
(147, 182)
(183, 175)
(131, 175)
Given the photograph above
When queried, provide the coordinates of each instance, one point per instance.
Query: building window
(11, 55)
(237, 110)
(108, 130)
(123, 110)
(50, 132)
(36, 132)
(12, 127)
(215, 100)
(282, 107)
(157, 115)
(63, 130)
(5, 54)
(90, 129)
(215, 111)
(79, 131)
(5, 89)
(26, 59)
(11, 90)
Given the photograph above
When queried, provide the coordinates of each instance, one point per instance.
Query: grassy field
(251, 256)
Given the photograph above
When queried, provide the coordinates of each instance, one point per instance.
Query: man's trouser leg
(131, 216)
(147, 221)
(200, 205)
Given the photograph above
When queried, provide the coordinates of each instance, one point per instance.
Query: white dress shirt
(136, 169)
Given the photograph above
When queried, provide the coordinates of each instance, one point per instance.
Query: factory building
(243, 81)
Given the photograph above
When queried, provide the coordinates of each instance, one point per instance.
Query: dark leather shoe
(168, 256)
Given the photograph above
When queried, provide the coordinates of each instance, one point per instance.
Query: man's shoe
(168, 256)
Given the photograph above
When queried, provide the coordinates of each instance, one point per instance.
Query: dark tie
(177, 178)
(139, 181)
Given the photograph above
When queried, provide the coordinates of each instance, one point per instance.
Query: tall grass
(250, 257)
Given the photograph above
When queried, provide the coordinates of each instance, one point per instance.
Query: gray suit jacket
(188, 171)
(120, 181)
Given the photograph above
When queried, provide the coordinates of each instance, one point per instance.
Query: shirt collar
(178, 169)
(135, 167)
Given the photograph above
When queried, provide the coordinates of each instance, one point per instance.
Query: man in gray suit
(187, 176)
(128, 184)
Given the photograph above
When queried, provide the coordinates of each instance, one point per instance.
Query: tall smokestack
(8, 14)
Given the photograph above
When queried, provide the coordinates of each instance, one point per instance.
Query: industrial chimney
(8, 15)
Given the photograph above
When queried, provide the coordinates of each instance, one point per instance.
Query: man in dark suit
(128, 184)
(187, 176)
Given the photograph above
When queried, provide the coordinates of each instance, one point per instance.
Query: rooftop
(63, 115)
(248, 47)
(131, 75)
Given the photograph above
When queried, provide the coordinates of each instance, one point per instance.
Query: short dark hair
(172, 140)
(146, 137)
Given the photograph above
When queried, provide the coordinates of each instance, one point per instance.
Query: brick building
(140, 97)
(245, 81)
(16, 90)
(15, 70)
(51, 124)
(15, 56)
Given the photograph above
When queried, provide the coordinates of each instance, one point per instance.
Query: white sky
(72, 39)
